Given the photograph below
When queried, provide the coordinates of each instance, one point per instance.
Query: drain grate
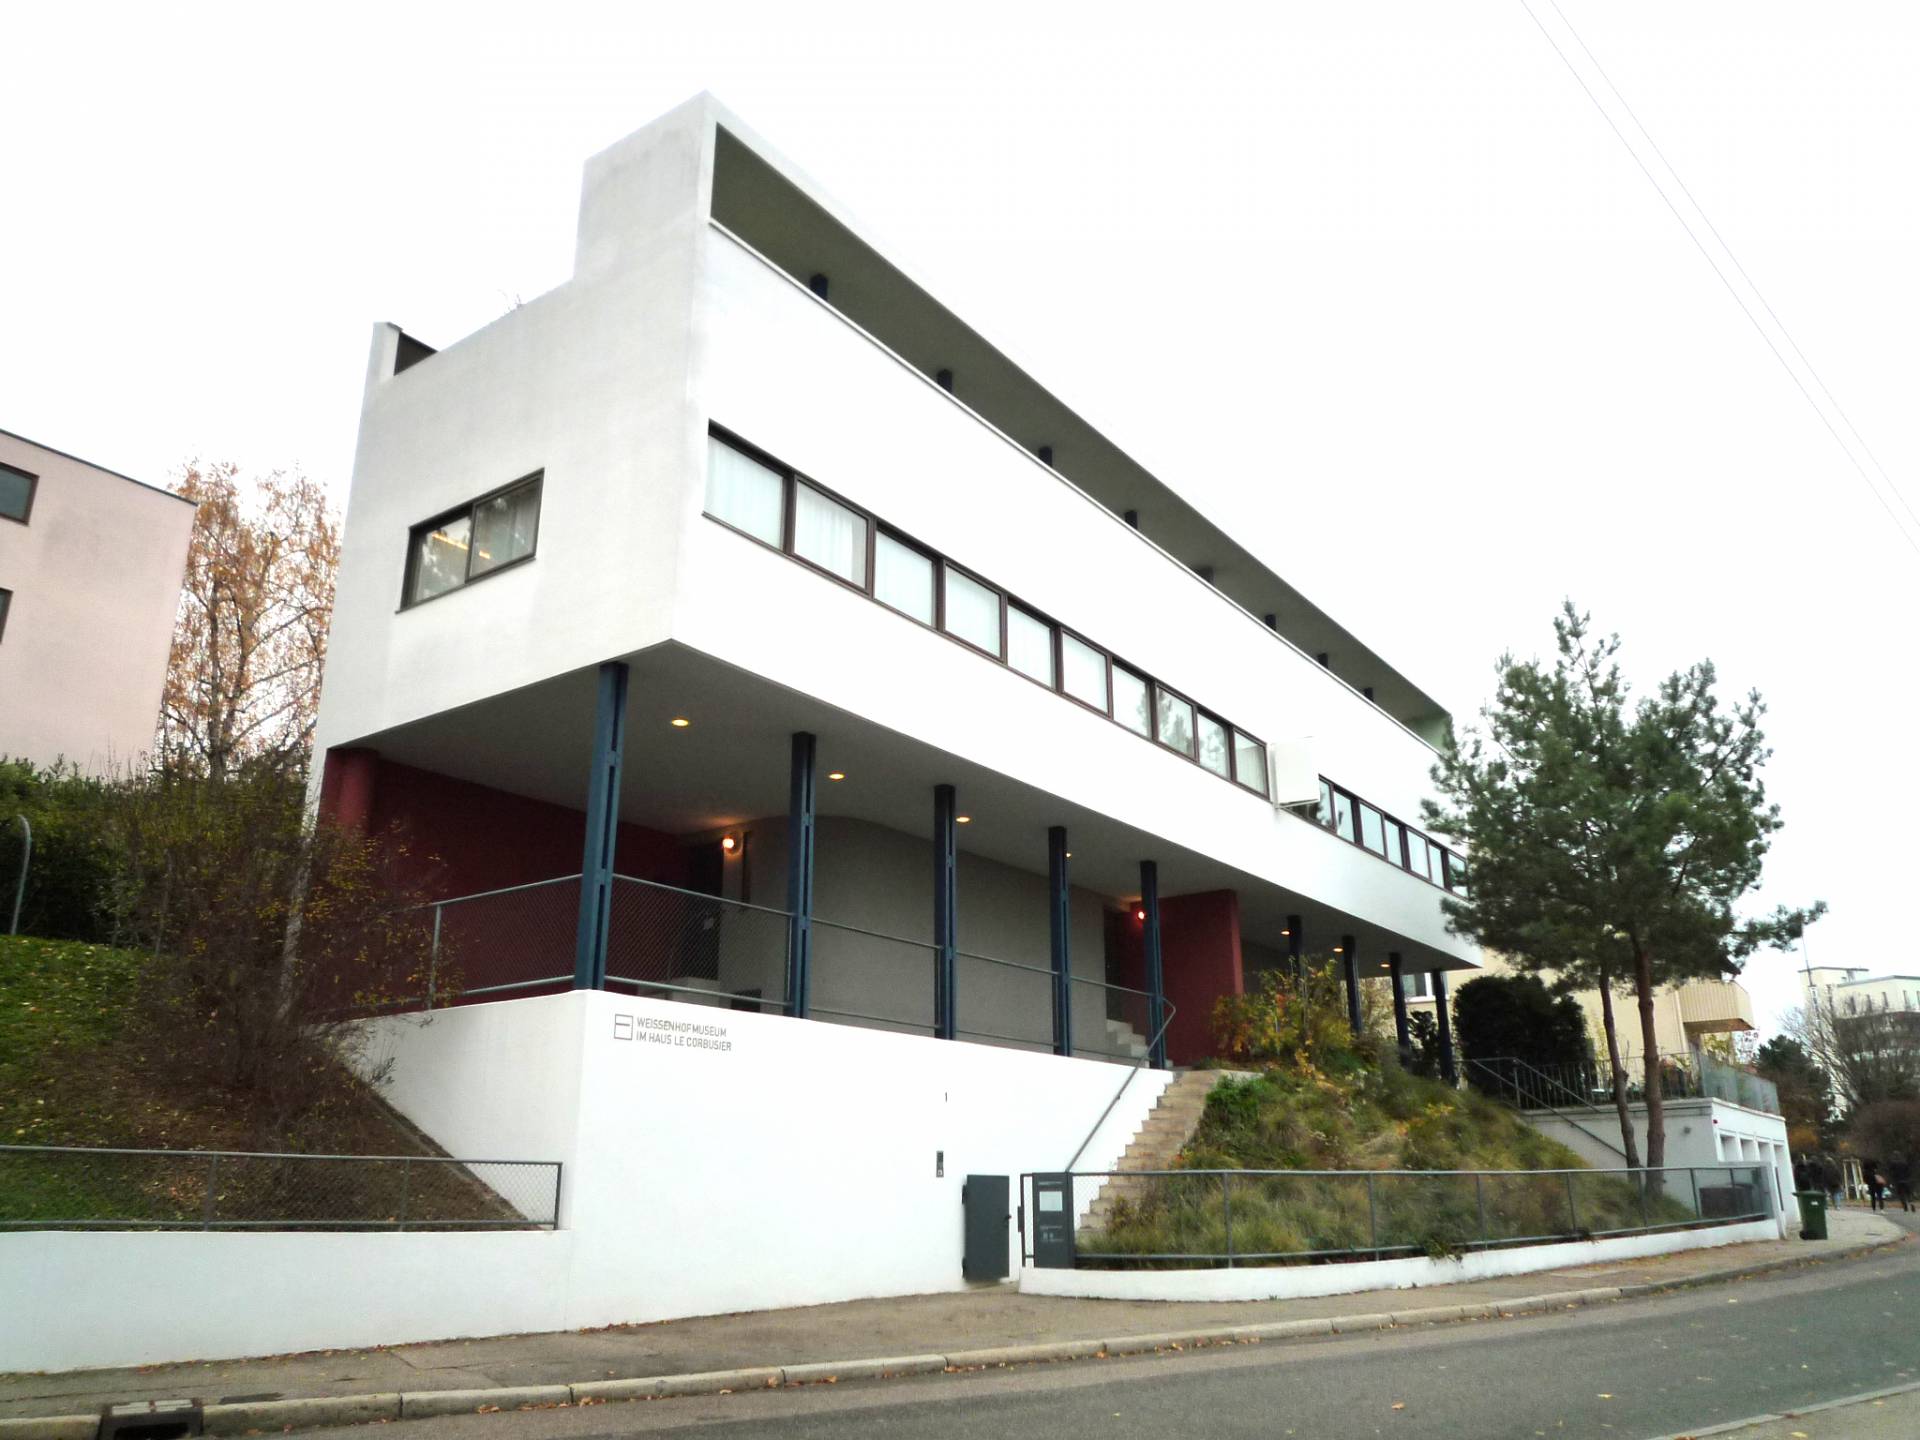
(151, 1420)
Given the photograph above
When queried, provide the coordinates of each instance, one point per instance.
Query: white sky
(1375, 283)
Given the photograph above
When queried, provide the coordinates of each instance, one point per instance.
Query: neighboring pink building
(90, 570)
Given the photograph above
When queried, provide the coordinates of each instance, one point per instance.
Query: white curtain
(743, 492)
(830, 535)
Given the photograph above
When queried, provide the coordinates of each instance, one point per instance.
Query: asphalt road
(1625, 1371)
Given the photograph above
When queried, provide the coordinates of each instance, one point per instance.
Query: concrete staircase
(1123, 1039)
(1167, 1128)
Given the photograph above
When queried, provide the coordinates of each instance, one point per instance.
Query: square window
(1176, 721)
(16, 493)
(1030, 645)
(440, 557)
(1343, 814)
(1213, 746)
(973, 611)
(504, 528)
(1083, 672)
(903, 578)
(830, 535)
(1131, 706)
(1250, 762)
(746, 494)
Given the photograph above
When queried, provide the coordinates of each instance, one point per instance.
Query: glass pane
(16, 489)
(1213, 745)
(830, 535)
(1176, 721)
(1393, 834)
(1030, 645)
(1456, 872)
(903, 578)
(1130, 706)
(1436, 864)
(1416, 853)
(1083, 671)
(1370, 829)
(1325, 813)
(440, 558)
(1343, 815)
(5, 597)
(743, 492)
(504, 528)
(1249, 762)
(973, 612)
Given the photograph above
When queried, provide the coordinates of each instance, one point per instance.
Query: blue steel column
(1351, 968)
(603, 826)
(1156, 981)
(800, 840)
(1059, 917)
(1402, 1030)
(946, 927)
(1444, 1018)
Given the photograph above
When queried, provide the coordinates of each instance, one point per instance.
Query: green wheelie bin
(1813, 1214)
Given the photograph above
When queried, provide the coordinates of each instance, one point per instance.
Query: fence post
(1373, 1217)
(406, 1178)
(1694, 1175)
(1645, 1180)
(554, 1222)
(1573, 1210)
(1480, 1202)
(1226, 1204)
(433, 958)
(26, 859)
(207, 1203)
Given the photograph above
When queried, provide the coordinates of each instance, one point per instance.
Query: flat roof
(68, 455)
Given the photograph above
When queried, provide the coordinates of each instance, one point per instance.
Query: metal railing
(1206, 1218)
(1680, 1075)
(1525, 1088)
(63, 1187)
(519, 937)
(684, 945)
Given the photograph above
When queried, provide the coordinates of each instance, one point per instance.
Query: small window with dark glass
(903, 578)
(828, 534)
(16, 493)
(1030, 645)
(1176, 721)
(492, 533)
(1131, 705)
(973, 610)
(1213, 746)
(1083, 672)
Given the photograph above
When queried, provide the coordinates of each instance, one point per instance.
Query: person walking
(1900, 1173)
(1802, 1174)
(1876, 1183)
(1831, 1177)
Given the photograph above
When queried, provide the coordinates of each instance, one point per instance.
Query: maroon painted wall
(1200, 962)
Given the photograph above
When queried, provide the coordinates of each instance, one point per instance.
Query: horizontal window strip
(1388, 839)
(755, 494)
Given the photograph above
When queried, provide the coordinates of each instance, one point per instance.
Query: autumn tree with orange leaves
(243, 677)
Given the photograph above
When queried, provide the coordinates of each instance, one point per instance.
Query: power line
(1725, 280)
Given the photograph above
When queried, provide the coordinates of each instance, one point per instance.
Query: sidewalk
(926, 1326)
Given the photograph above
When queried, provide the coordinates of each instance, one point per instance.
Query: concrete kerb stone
(1026, 1354)
(245, 1415)
(1375, 1320)
(720, 1382)
(50, 1427)
(418, 1404)
(825, 1370)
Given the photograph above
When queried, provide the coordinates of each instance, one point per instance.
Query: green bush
(69, 892)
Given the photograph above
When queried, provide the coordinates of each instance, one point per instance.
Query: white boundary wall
(1293, 1282)
(775, 1163)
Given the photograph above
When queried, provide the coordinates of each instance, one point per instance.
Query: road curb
(266, 1415)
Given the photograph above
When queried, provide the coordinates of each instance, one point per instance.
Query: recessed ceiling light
(836, 775)
(1139, 914)
(680, 722)
(963, 819)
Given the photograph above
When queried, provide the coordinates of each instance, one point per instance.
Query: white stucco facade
(93, 579)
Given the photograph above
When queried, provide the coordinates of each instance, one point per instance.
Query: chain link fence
(50, 1187)
(698, 948)
(1183, 1218)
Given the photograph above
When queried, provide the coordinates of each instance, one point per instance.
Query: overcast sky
(1376, 284)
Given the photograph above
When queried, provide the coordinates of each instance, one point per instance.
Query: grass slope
(1352, 1114)
(85, 1061)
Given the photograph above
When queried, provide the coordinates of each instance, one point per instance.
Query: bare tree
(243, 677)
(1871, 1056)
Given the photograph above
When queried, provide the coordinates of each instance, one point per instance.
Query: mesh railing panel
(504, 941)
(1262, 1216)
(691, 947)
(1004, 1002)
(864, 977)
(46, 1187)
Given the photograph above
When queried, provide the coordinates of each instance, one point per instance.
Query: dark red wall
(1200, 962)
(465, 838)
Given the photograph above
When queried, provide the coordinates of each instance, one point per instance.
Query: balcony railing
(705, 950)
(1681, 1075)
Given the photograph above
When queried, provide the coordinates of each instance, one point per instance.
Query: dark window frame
(33, 490)
(6, 609)
(536, 479)
(791, 479)
(1449, 861)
